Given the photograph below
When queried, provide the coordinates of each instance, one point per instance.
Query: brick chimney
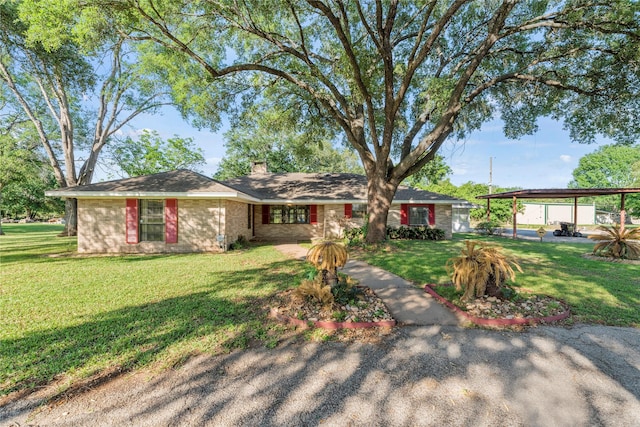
(259, 168)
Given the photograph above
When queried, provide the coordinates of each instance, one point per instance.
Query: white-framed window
(152, 220)
(418, 215)
(359, 210)
(282, 214)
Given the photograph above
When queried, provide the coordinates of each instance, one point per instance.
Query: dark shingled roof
(263, 187)
(178, 181)
(321, 186)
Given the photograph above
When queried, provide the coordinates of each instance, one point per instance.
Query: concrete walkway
(408, 304)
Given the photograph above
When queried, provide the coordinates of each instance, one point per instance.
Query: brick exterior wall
(443, 218)
(336, 222)
(288, 232)
(236, 221)
(101, 227)
(199, 224)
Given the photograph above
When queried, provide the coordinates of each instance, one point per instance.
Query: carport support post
(488, 210)
(575, 215)
(515, 214)
(623, 214)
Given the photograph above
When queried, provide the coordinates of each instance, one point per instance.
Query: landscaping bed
(365, 311)
(492, 311)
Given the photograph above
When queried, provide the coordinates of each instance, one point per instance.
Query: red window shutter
(265, 214)
(171, 220)
(313, 214)
(348, 208)
(432, 214)
(132, 221)
(404, 214)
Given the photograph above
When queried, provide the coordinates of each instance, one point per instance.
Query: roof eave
(149, 194)
(427, 202)
(311, 201)
(352, 201)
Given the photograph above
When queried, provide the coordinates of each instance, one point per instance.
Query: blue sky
(544, 160)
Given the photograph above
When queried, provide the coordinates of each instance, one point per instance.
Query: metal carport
(573, 193)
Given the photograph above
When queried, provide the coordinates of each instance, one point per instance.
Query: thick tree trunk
(70, 217)
(380, 195)
(330, 278)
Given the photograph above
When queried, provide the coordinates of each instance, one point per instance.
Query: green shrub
(345, 293)
(339, 316)
(355, 236)
(488, 228)
(415, 233)
(240, 243)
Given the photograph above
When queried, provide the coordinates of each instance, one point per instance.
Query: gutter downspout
(221, 238)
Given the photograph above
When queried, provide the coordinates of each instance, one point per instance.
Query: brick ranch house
(183, 211)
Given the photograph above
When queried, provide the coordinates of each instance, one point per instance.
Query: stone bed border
(481, 321)
(326, 324)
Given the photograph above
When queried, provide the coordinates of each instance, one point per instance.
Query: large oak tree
(397, 78)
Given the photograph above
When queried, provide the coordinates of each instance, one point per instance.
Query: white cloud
(131, 132)
(211, 165)
(458, 171)
(213, 161)
(565, 158)
(139, 132)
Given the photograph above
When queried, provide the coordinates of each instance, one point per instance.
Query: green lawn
(66, 317)
(597, 291)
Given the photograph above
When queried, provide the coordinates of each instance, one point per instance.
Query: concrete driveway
(527, 234)
(437, 375)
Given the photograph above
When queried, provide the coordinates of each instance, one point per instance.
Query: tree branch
(37, 124)
(422, 52)
(443, 128)
(355, 67)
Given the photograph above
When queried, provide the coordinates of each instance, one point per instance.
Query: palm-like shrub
(327, 257)
(315, 290)
(617, 243)
(481, 269)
